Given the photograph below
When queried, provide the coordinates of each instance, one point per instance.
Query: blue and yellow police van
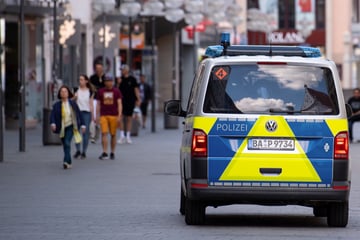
(264, 125)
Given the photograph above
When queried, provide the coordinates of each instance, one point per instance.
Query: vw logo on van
(271, 125)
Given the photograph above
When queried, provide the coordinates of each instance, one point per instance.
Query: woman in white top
(84, 97)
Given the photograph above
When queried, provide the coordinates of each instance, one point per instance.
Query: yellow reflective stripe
(246, 164)
(186, 149)
(204, 123)
(283, 129)
(337, 125)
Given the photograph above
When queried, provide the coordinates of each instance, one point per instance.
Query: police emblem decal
(271, 125)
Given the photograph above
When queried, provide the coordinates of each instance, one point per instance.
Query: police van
(264, 125)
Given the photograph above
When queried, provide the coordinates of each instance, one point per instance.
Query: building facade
(80, 42)
(317, 23)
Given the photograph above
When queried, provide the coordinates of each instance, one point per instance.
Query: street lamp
(22, 89)
(130, 9)
(194, 17)
(233, 16)
(48, 136)
(55, 38)
(2, 38)
(153, 8)
(173, 14)
(215, 12)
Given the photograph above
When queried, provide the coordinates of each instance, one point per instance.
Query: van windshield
(271, 88)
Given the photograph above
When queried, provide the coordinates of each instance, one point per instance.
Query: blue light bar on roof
(225, 39)
(264, 50)
(214, 51)
(310, 51)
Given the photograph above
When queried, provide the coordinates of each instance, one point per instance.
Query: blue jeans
(66, 141)
(85, 136)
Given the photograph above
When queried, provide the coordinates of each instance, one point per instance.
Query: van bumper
(225, 195)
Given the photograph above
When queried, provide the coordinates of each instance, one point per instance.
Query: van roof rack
(254, 50)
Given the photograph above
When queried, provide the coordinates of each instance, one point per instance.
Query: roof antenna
(270, 42)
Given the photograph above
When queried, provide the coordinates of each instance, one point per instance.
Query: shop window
(356, 11)
(320, 14)
(252, 4)
(286, 14)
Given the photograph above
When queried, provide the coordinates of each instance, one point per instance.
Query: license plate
(284, 144)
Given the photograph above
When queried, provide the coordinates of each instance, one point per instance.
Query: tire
(194, 212)
(182, 201)
(338, 214)
(320, 211)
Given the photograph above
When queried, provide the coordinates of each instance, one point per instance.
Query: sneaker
(83, 155)
(112, 156)
(128, 140)
(92, 140)
(77, 155)
(121, 140)
(66, 165)
(104, 156)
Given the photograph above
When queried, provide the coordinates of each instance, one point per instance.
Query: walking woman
(66, 121)
(84, 97)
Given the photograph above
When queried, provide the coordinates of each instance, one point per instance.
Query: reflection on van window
(262, 88)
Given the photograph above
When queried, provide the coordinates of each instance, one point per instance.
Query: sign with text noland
(286, 38)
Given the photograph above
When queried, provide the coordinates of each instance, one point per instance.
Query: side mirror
(349, 111)
(173, 108)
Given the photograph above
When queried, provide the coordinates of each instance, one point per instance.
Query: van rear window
(271, 88)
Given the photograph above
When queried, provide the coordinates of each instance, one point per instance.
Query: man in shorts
(129, 88)
(109, 108)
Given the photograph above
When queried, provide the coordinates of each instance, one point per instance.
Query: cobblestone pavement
(134, 197)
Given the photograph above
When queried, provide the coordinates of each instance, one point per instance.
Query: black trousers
(351, 120)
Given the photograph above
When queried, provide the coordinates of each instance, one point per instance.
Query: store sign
(305, 17)
(286, 37)
(137, 36)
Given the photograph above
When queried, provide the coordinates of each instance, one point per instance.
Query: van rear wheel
(338, 214)
(194, 212)
(182, 201)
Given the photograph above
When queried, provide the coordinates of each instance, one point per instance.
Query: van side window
(217, 99)
(195, 90)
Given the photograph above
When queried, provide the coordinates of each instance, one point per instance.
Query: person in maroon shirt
(109, 108)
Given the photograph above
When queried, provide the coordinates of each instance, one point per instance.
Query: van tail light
(341, 146)
(199, 147)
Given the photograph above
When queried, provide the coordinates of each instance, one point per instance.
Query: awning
(31, 8)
